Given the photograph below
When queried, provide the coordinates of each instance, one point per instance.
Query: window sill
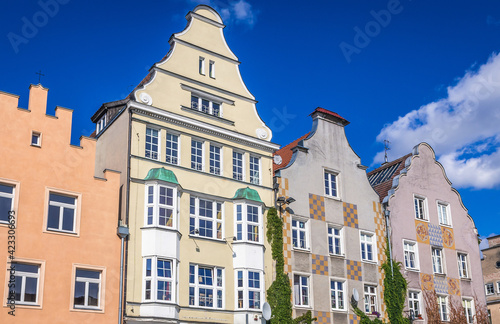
(248, 242)
(412, 269)
(338, 256)
(369, 261)
(339, 310)
(194, 236)
(301, 250)
(302, 306)
(466, 278)
(439, 274)
(199, 113)
(34, 145)
(87, 310)
(23, 305)
(56, 232)
(422, 219)
(333, 198)
(445, 225)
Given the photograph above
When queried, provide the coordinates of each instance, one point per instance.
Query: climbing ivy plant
(280, 293)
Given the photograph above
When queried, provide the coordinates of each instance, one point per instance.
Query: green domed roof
(247, 193)
(162, 174)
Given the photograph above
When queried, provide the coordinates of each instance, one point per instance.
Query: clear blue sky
(417, 71)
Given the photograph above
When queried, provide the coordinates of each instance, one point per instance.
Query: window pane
(30, 290)
(87, 274)
(93, 299)
(80, 293)
(68, 219)
(61, 199)
(53, 217)
(22, 267)
(5, 207)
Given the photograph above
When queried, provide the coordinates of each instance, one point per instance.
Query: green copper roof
(247, 193)
(162, 174)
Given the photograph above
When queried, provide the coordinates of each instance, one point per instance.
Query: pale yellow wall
(57, 165)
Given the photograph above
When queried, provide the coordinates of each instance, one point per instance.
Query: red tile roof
(286, 153)
(328, 112)
(383, 188)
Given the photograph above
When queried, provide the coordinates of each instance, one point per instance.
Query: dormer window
(101, 124)
(206, 106)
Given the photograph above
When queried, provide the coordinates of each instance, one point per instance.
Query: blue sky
(406, 71)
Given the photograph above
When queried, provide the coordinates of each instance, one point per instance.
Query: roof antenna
(386, 148)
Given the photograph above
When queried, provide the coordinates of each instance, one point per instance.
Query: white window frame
(194, 283)
(298, 230)
(327, 179)
(498, 286)
(172, 158)
(469, 309)
(153, 206)
(151, 153)
(414, 303)
(408, 253)
(338, 295)
(463, 265)
(87, 282)
(444, 308)
(240, 176)
(446, 219)
(370, 298)
(211, 69)
(243, 288)
(242, 222)
(487, 291)
(25, 275)
(38, 137)
(437, 260)
(255, 174)
(298, 290)
(62, 206)
(366, 244)
(333, 238)
(194, 229)
(152, 278)
(420, 206)
(214, 169)
(201, 65)
(210, 109)
(11, 196)
(195, 165)
(101, 123)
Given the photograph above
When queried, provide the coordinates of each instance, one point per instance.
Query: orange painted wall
(57, 164)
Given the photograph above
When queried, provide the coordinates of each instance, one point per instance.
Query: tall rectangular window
(299, 234)
(26, 282)
(62, 213)
(301, 290)
(437, 260)
(335, 240)
(172, 149)
(152, 141)
(443, 213)
(443, 307)
(205, 218)
(330, 184)
(211, 68)
(206, 286)
(337, 293)
(238, 166)
(414, 302)
(159, 279)
(420, 209)
(254, 170)
(36, 139)
(411, 258)
(463, 267)
(87, 289)
(469, 309)
(370, 299)
(489, 288)
(248, 289)
(160, 205)
(215, 160)
(367, 247)
(7, 192)
(197, 155)
(201, 65)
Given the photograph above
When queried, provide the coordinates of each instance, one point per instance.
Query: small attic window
(101, 124)
(36, 139)
(211, 69)
(201, 65)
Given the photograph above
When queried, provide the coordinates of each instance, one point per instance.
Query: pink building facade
(431, 234)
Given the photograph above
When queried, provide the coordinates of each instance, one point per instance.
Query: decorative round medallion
(278, 159)
(261, 133)
(146, 98)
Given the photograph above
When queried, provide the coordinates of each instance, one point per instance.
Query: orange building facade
(59, 249)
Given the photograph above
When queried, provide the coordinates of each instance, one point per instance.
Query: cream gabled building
(196, 163)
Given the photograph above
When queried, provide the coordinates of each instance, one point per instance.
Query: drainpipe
(387, 213)
(123, 233)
